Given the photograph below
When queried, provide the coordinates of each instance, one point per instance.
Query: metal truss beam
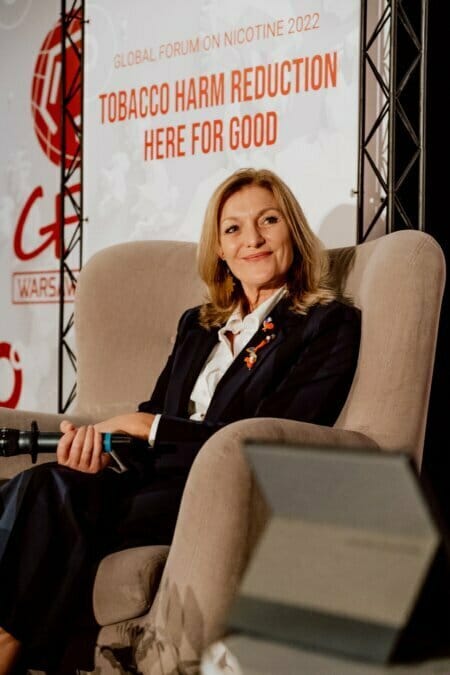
(71, 201)
(391, 175)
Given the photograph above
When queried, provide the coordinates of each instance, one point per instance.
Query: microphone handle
(47, 441)
(15, 442)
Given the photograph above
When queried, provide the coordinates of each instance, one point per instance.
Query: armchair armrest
(278, 430)
(126, 583)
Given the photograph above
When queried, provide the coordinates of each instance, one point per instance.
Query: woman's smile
(257, 256)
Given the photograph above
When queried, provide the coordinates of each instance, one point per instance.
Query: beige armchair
(159, 614)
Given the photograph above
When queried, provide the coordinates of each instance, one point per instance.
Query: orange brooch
(268, 324)
(252, 357)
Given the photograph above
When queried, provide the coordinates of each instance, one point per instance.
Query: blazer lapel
(238, 373)
(187, 366)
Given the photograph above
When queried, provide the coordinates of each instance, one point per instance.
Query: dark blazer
(304, 373)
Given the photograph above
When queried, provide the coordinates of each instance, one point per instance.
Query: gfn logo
(46, 97)
(46, 94)
(10, 362)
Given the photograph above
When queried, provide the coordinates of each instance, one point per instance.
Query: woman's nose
(253, 236)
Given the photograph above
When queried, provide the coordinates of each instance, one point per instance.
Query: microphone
(16, 442)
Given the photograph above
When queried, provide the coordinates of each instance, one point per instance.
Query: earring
(229, 283)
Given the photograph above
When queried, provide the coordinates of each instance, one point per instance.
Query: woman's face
(255, 241)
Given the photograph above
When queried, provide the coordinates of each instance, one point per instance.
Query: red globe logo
(8, 353)
(46, 93)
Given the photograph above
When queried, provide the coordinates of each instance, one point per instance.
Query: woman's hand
(135, 424)
(81, 449)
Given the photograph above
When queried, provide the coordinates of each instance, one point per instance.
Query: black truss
(391, 171)
(71, 246)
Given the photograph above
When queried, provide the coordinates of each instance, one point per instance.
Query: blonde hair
(307, 276)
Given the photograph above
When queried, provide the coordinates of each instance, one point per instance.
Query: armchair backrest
(397, 281)
(128, 301)
(130, 296)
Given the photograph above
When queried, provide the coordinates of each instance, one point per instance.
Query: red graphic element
(252, 357)
(50, 232)
(46, 92)
(7, 352)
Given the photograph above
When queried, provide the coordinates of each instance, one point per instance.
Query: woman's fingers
(64, 447)
(82, 450)
(95, 463)
(76, 448)
(66, 425)
(85, 449)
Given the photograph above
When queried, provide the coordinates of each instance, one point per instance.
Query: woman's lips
(257, 256)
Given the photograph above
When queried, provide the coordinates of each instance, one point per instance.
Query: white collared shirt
(222, 356)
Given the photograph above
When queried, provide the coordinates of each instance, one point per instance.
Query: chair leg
(9, 652)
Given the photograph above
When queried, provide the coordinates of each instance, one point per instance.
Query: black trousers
(55, 526)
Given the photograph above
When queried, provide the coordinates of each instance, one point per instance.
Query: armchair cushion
(126, 583)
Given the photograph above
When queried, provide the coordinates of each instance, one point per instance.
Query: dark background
(436, 461)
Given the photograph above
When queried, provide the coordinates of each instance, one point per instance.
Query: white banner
(178, 95)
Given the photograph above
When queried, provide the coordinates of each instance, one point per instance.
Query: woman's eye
(270, 220)
(230, 229)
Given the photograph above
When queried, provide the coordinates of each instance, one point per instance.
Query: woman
(272, 341)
